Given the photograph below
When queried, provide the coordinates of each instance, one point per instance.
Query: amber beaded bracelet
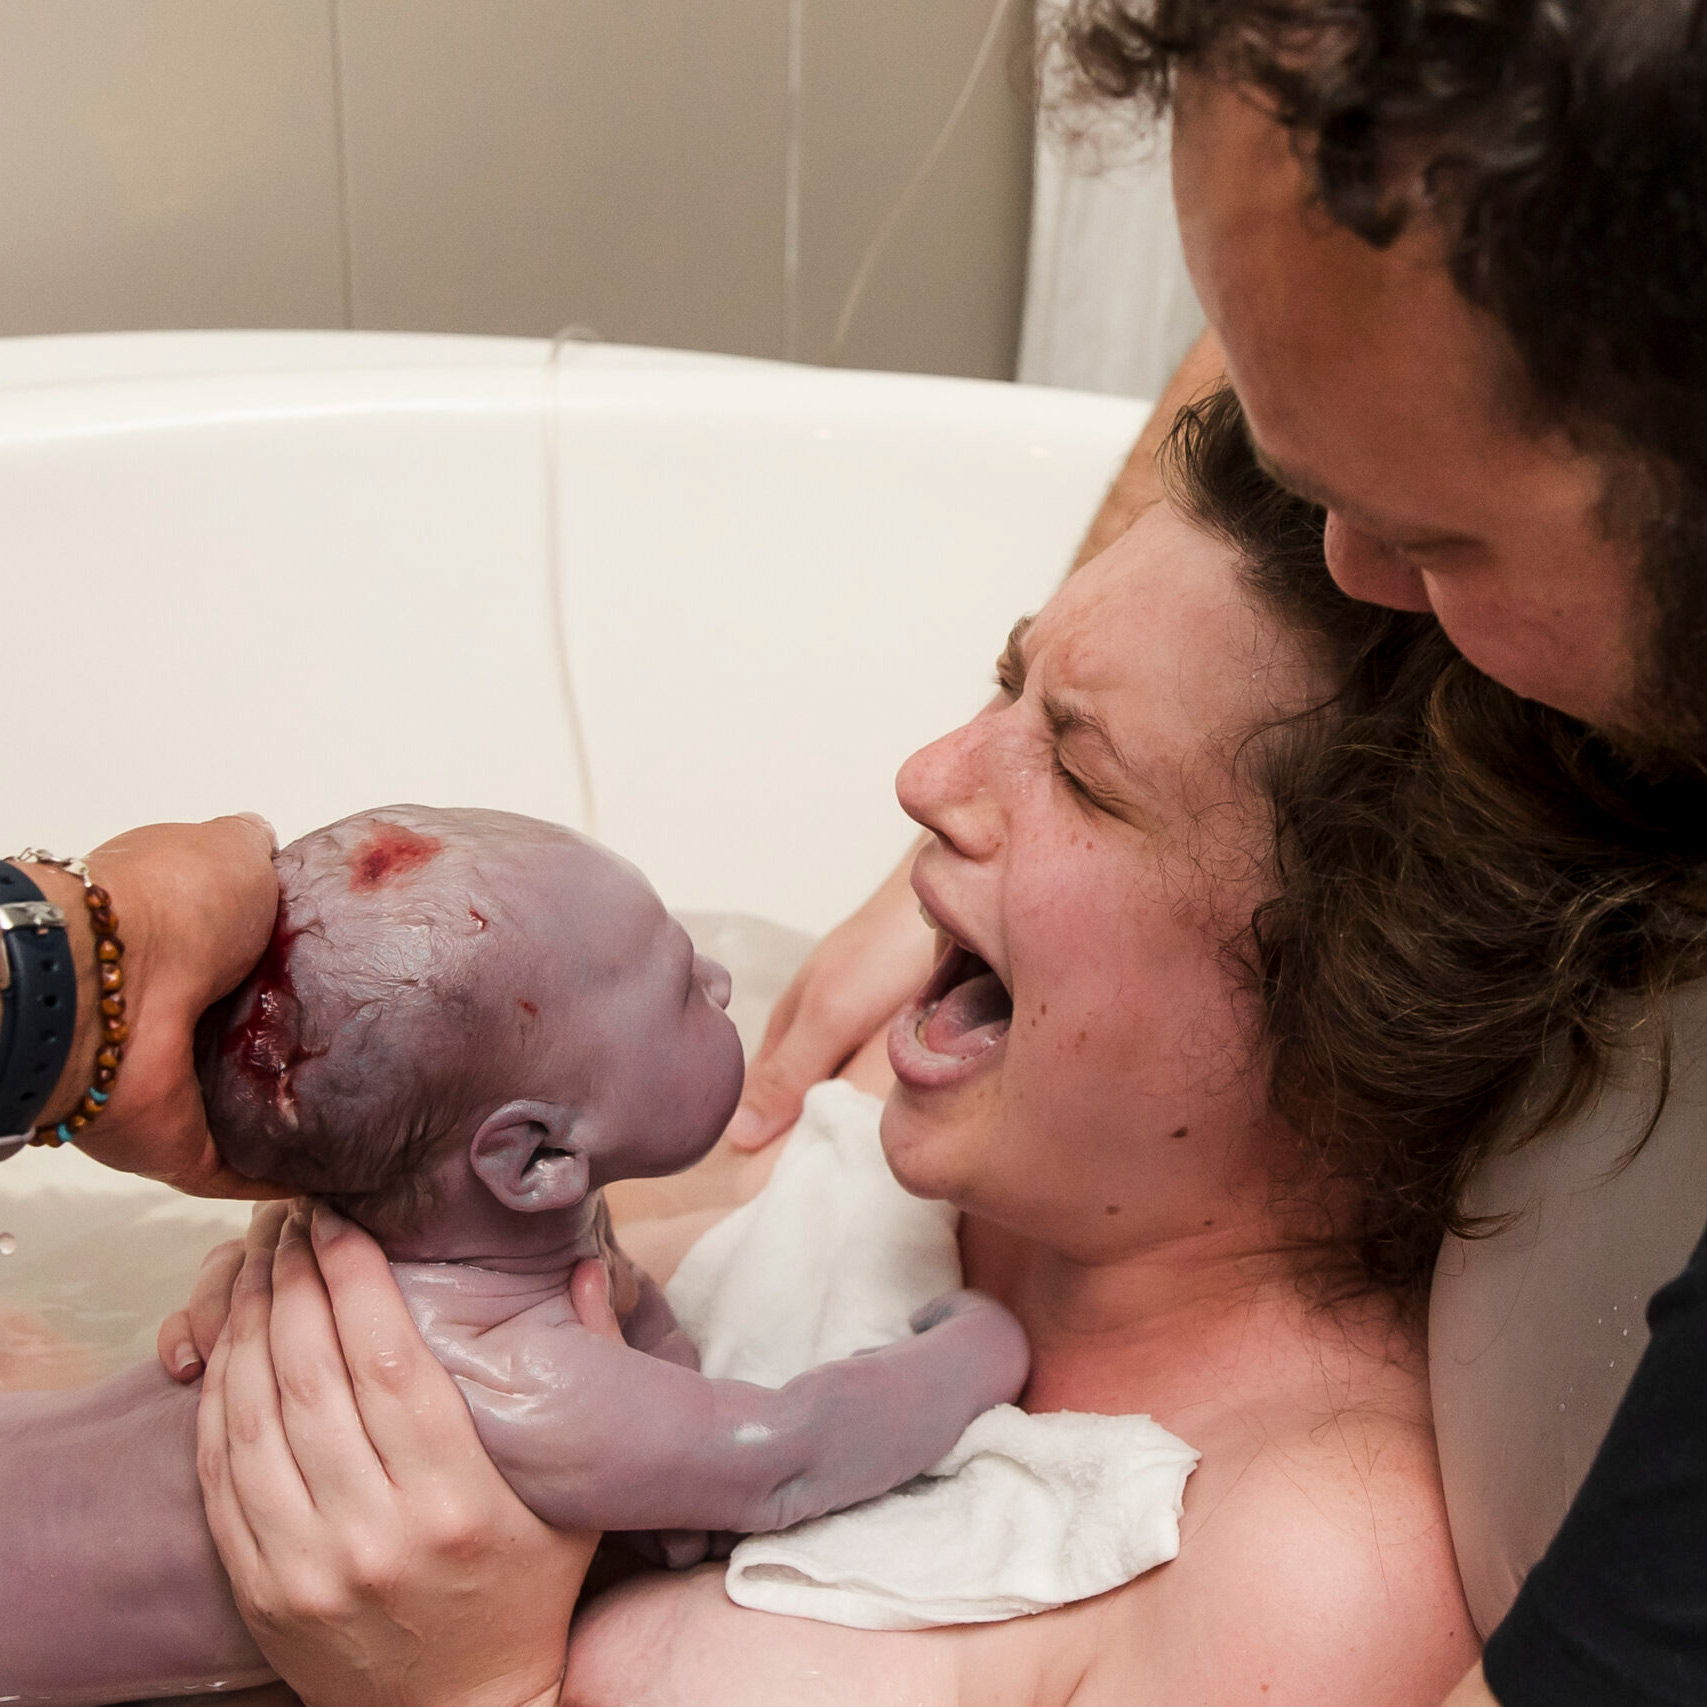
(109, 969)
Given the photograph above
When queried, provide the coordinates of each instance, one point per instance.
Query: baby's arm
(598, 1435)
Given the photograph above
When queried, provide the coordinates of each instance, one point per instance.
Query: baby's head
(446, 984)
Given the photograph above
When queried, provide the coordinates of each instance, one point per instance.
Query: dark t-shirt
(1616, 1611)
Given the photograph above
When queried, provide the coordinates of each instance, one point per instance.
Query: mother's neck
(1217, 1319)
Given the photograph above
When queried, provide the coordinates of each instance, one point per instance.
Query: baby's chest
(678, 1641)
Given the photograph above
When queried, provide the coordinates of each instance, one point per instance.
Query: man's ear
(526, 1156)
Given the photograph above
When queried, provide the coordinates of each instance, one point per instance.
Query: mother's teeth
(925, 914)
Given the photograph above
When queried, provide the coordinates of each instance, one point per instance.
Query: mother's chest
(678, 1641)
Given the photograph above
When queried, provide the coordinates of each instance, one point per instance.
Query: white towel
(831, 1258)
(1025, 1514)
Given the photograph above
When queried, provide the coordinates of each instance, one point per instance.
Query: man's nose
(714, 977)
(1369, 569)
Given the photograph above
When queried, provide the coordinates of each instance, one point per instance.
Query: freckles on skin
(392, 851)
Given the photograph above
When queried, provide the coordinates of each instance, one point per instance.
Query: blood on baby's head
(389, 851)
(364, 1041)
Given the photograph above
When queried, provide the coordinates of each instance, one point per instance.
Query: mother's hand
(376, 1554)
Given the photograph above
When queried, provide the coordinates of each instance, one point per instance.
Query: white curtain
(1108, 304)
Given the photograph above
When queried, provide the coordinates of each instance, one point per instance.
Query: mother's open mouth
(949, 1029)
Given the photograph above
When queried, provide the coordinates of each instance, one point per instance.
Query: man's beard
(1666, 726)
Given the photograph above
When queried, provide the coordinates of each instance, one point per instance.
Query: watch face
(37, 1021)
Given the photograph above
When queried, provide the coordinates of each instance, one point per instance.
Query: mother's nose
(945, 788)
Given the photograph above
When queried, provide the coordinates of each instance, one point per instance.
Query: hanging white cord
(791, 184)
(899, 207)
(556, 593)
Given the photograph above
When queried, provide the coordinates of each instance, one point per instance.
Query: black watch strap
(39, 1019)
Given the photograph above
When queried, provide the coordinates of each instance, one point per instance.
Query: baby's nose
(714, 977)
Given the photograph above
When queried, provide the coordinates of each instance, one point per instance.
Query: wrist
(66, 892)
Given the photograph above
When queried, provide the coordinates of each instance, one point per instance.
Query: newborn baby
(467, 1023)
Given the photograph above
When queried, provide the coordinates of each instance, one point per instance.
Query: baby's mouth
(965, 1008)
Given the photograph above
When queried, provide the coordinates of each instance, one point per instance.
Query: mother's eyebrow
(1063, 718)
(1010, 666)
(1067, 721)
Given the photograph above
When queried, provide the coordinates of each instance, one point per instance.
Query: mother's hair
(1478, 901)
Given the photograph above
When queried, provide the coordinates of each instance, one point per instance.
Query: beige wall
(517, 166)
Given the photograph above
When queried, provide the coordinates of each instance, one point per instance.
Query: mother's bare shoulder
(1315, 1568)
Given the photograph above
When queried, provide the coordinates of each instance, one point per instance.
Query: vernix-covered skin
(467, 1024)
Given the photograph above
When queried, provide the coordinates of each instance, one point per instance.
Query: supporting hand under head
(196, 904)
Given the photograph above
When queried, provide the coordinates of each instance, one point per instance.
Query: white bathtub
(305, 573)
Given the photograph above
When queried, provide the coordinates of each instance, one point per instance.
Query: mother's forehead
(1162, 637)
(1164, 598)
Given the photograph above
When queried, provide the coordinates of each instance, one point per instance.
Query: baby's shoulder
(481, 1331)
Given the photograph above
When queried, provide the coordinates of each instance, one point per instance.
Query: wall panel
(167, 163)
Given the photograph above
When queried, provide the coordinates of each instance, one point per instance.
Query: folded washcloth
(1026, 1513)
(832, 1257)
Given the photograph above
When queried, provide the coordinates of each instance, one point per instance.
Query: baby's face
(647, 1054)
(429, 966)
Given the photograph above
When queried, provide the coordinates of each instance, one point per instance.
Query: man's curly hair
(1563, 147)
(1477, 902)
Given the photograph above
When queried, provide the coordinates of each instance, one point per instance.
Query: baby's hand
(984, 1341)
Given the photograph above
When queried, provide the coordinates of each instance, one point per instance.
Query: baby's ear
(526, 1156)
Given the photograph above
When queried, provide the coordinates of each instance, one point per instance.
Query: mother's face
(1081, 1067)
